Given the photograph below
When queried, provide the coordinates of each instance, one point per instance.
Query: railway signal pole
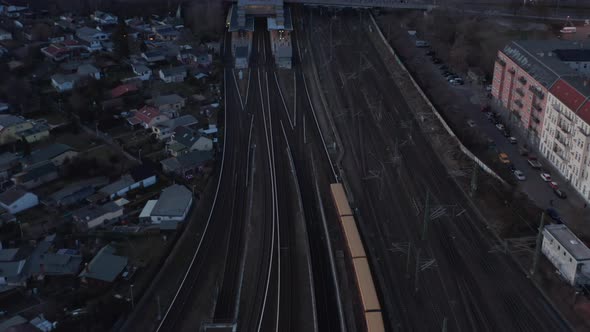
(426, 215)
(538, 246)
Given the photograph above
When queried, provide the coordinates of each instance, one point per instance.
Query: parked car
(506, 133)
(561, 194)
(512, 140)
(511, 167)
(546, 177)
(500, 126)
(534, 162)
(503, 158)
(554, 215)
(457, 81)
(489, 115)
(471, 123)
(422, 43)
(553, 185)
(519, 175)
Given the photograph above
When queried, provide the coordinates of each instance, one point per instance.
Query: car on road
(546, 177)
(554, 215)
(519, 175)
(471, 123)
(503, 158)
(553, 185)
(512, 140)
(561, 194)
(500, 126)
(534, 162)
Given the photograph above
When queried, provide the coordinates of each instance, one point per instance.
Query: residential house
(13, 8)
(89, 70)
(77, 192)
(186, 139)
(139, 176)
(45, 262)
(36, 176)
(4, 107)
(92, 38)
(147, 117)
(64, 82)
(142, 71)
(168, 102)
(16, 199)
(92, 216)
(123, 90)
(9, 162)
(104, 18)
(5, 35)
(195, 57)
(173, 205)
(38, 132)
(104, 268)
(55, 153)
(10, 126)
(153, 56)
(187, 164)
(68, 49)
(12, 268)
(165, 32)
(567, 253)
(173, 74)
(165, 129)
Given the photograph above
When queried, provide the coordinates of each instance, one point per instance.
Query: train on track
(362, 270)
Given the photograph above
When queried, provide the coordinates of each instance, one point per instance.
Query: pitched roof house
(172, 75)
(173, 205)
(147, 117)
(165, 129)
(17, 199)
(105, 267)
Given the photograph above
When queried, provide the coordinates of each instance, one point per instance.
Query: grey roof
(79, 186)
(7, 159)
(580, 55)
(167, 99)
(571, 243)
(173, 71)
(7, 120)
(124, 182)
(87, 68)
(12, 270)
(7, 255)
(186, 136)
(540, 58)
(105, 265)
(37, 128)
(173, 201)
(192, 159)
(55, 263)
(12, 195)
(37, 172)
(140, 67)
(86, 33)
(91, 212)
(174, 123)
(47, 153)
(63, 78)
(12, 321)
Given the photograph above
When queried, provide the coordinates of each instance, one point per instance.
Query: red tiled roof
(147, 113)
(567, 95)
(123, 89)
(53, 50)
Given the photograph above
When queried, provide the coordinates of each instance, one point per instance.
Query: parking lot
(463, 103)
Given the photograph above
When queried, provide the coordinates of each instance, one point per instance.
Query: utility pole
(538, 246)
(426, 215)
(417, 270)
(473, 180)
(159, 308)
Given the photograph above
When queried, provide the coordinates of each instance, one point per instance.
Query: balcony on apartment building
(561, 139)
(535, 119)
(562, 115)
(537, 92)
(518, 103)
(583, 132)
(563, 127)
(559, 152)
(537, 107)
(522, 80)
(501, 62)
(516, 113)
(519, 91)
(512, 71)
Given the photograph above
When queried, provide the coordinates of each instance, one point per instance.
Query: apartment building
(525, 71)
(566, 135)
